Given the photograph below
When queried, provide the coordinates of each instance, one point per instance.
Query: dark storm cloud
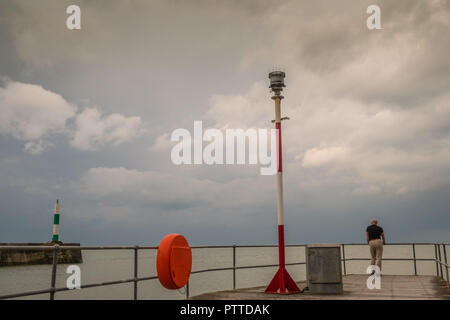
(369, 131)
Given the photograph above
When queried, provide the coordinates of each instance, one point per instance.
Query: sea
(110, 265)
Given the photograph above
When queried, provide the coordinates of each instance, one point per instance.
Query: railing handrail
(52, 290)
(63, 247)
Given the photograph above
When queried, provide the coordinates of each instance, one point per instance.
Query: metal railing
(439, 248)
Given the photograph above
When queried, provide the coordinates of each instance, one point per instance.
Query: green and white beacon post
(56, 223)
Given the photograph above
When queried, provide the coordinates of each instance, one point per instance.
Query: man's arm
(367, 236)
(384, 239)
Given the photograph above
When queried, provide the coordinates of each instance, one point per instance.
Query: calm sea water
(109, 265)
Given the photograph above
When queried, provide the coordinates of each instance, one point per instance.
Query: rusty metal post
(234, 267)
(343, 258)
(440, 261)
(135, 272)
(446, 263)
(436, 259)
(54, 268)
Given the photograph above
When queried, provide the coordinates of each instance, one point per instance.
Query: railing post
(440, 261)
(54, 268)
(446, 263)
(135, 272)
(414, 257)
(436, 259)
(187, 290)
(234, 267)
(343, 258)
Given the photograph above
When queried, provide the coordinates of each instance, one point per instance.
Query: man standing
(374, 234)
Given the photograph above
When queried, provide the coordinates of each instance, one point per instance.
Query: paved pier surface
(392, 288)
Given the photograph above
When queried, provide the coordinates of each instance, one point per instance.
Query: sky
(86, 116)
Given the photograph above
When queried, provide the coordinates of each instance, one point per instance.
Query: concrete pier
(17, 257)
(393, 287)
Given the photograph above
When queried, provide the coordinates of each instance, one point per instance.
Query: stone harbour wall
(31, 257)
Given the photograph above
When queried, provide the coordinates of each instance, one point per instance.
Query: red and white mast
(282, 281)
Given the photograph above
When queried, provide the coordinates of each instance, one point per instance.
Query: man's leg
(373, 252)
(379, 253)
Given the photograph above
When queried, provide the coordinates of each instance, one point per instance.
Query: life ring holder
(174, 261)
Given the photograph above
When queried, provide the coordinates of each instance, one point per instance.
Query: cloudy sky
(86, 116)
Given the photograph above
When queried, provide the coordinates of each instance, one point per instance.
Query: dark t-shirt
(374, 232)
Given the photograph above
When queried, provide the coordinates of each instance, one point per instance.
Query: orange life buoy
(174, 261)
